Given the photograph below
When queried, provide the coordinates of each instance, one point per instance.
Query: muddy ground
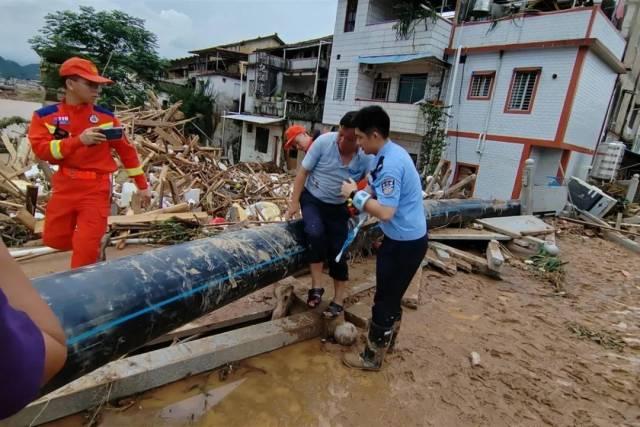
(568, 358)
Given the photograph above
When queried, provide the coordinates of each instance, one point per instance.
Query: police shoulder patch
(388, 185)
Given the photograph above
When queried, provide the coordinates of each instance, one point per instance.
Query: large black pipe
(112, 308)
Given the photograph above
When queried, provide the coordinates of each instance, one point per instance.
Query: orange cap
(291, 135)
(83, 68)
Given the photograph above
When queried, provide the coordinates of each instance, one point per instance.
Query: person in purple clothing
(32, 343)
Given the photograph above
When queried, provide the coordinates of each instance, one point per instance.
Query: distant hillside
(9, 69)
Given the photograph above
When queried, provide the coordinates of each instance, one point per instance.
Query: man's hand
(145, 197)
(92, 136)
(348, 187)
(293, 211)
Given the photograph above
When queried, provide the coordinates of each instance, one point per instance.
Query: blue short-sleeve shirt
(395, 182)
(326, 170)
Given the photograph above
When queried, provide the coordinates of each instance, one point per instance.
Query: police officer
(394, 196)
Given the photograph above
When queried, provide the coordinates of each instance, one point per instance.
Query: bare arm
(383, 213)
(22, 296)
(298, 186)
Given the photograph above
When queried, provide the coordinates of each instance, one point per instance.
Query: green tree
(117, 43)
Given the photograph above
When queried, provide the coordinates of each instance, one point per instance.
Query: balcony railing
(311, 111)
(305, 64)
(266, 59)
(405, 118)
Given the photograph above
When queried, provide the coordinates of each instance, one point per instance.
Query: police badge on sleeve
(388, 185)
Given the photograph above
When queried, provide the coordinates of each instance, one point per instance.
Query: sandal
(314, 297)
(333, 310)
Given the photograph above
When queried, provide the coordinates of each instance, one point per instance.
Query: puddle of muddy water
(297, 385)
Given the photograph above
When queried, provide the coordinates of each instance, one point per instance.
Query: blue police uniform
(395, 183)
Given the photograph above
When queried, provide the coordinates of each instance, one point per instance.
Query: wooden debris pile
(439, 184)
(192, 184)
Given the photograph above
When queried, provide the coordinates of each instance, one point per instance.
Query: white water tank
(607, 160)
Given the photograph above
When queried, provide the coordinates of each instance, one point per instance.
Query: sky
(181, 25)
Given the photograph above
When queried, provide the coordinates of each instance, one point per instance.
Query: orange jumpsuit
(77, 213)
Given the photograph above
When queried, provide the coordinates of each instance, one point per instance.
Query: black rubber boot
(372, 356)
(394, 333)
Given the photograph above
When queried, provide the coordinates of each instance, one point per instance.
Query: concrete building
(223, 70)
(371, 65)
(531, 86)
(285, 85)
(624, 122)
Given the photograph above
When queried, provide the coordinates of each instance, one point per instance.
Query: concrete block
(359, 314)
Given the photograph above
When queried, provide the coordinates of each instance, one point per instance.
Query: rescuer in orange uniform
(70, 134)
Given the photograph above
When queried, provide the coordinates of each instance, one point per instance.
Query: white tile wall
(542, 123)
(591, 101)
(608, 35)
(570, 25)
(498, 165)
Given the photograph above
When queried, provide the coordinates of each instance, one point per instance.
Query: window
(381, 89)
(412, 88)
(262, 139)
(340, 89)
(350, 17)
(522, 90)
(249, 127)
(481, 85)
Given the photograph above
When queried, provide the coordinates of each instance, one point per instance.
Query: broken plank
(464, 266)
(517, 226)
(478, 264)
(466, 234)
(25, 218)
(495, 260)
(411, 297)
(136, 374)
(146, 218)
(10, 148)
(618, 238)
(193, 328)
(447, 268)
(359, 314)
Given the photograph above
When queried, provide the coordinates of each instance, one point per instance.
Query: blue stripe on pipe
(106, 326)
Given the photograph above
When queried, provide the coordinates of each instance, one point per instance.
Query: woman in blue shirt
(394, 196)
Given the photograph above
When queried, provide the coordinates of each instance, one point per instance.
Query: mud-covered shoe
(368, 360)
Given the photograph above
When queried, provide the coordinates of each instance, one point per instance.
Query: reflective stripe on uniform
(56, 148)
(135, 171)
(50, 128)
(107, 125)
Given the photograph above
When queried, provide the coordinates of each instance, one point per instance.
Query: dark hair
(347, 120)
(373, 119)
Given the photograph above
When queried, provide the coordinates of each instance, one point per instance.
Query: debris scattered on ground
(475, 359)
(605, 339)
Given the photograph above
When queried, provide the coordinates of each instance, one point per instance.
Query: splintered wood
(180, 169)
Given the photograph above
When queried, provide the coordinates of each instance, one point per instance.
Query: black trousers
(396, 264)
(326, 227)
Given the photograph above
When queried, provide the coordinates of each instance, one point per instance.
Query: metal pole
(315, 85)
